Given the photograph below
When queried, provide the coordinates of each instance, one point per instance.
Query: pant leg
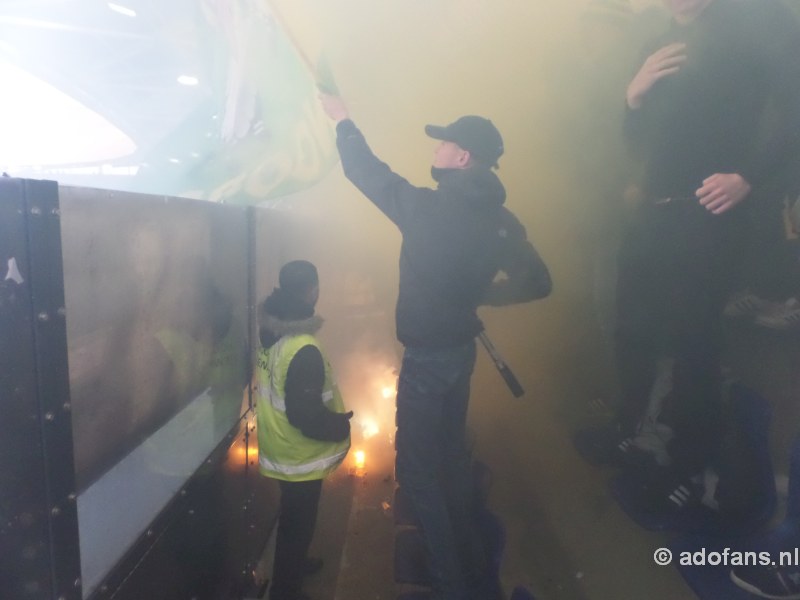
(644, 276)
(458, 481)
(296, 524)
(710, 258)
(426, 400)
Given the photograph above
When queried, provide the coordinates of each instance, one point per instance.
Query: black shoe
(768, 581)
(312, 566)
(667, 491)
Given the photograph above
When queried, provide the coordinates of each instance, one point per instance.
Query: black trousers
(676, 268)
(296, 524)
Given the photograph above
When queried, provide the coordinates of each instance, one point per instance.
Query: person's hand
(663, 62)
(722, 191)
(334, 107)
(348, 415)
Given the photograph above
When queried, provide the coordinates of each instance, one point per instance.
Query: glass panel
(156, 299)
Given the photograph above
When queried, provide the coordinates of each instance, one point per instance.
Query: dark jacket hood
(281, 314)
(272, 328)
(477, 185)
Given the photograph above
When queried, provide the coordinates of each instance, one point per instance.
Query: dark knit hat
(298, 277)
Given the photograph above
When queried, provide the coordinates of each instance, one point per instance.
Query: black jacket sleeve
(305, 410)
(526, 275)
(387, 190)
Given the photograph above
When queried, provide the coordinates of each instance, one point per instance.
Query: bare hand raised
(334, 107)
(661, 63)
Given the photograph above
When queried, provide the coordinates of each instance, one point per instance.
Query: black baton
(505, 371)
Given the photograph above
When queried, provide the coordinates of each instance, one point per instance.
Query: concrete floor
(567, 539)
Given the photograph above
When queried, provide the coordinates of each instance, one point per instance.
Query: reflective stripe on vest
(322, 464)
(284, 452)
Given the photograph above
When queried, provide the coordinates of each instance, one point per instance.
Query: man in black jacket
(714, 113)
(456, 238)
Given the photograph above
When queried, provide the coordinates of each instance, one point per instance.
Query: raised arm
(387, 190)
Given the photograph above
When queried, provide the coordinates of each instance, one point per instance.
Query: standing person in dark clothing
(714, 112)
(456, 238)
(303, 430)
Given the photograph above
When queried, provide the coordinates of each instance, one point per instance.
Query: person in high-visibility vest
(303, 429)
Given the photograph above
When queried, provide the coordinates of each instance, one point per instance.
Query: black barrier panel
(206, 543)
(128, 458)
(38, 526)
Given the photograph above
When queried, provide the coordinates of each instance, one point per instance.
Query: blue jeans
(433, 463)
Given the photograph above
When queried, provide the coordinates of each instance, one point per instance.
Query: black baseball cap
(475, 134)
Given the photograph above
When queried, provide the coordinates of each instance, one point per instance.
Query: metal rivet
(43, 316)
(55, 511)
(149, 533)
(77, 582)
(72, 497)
(55, 211)
(49, 416)
(62, 311)
(67, 406)
(36, 210)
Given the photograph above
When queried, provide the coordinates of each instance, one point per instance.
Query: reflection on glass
(156, 325)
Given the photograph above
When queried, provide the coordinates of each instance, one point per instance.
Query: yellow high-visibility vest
(283, 451)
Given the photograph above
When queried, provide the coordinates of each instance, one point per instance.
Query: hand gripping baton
(505, 371)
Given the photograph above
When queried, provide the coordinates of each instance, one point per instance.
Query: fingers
(666, 58)
(664, 72)
(672, 64)
(716, 194)
(662, 63)
(669, 50)
(349, 414)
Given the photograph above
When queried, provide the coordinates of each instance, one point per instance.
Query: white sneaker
(785, 316)
(745, 304)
